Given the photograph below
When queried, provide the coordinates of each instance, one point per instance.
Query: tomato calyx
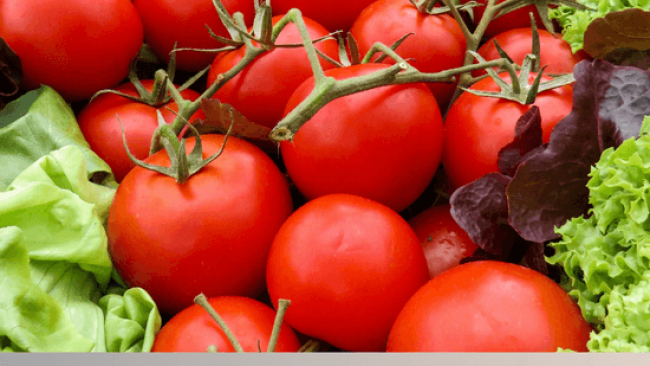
(429, 7)
(183, 165)
(519, 89)
(283, 304)
(163, 90)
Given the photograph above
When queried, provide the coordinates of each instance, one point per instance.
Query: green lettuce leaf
(66, 169)
(63, 293)
(627, 325)
(36, 124)
(132, 321)
(30, 319)
(575, 21)
(606, 257)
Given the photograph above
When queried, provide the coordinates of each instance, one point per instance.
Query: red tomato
(169, 21)
(263, 88)
(348, 265)
(489, 306)
(476, 128)
(99, 124)
(77, 47)
(444, 242)
(437, 45)
(193, 329)
(383, 144)
(211, 234)
(335, 15)
(519, 18)
(555, 53)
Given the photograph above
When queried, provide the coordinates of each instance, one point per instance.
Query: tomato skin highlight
(169, 21)
(77, 47)
(99, 124)
(261, 91)
(348, 265)
(209, 235)
(444, 242)
(489, 306)
(437, 45)
(193, 330)
(555, 53)
(384, 144)
(476, 128)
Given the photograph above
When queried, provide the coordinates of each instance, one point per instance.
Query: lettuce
(36, 124)
(60, 291)
(575, 21)
(606, 256)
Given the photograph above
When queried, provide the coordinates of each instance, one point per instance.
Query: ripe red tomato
(100, 127)
(476, 128)
(169, 21)
(444, 242)
(193, 330)
(263, 88)
(348, 265)
(383, 144)
(554, 52)
(77, 47)
(335, 15)
(489, 306)
(211, 234)
(437, 45)
(519, 18)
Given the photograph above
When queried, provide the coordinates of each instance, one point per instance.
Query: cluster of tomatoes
(357, 274)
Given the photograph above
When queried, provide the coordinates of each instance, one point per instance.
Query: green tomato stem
(202, 301)
(277, 324)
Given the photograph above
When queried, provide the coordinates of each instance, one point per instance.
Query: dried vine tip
(519, 89)
(183, 165)
(281, 134)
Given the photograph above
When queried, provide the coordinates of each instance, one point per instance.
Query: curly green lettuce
(575, 21)
(606, 256)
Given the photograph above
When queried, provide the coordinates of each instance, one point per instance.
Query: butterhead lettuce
(60, 292)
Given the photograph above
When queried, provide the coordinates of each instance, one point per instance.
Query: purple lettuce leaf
(623, 99)
(549, 188)
(481, 209)
(541, 186)
(528, 136)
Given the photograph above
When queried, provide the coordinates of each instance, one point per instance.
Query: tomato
(169, 21)
(489, 306)
(348, 265)
(476, 128)
(437, 45)
(555, 53)
(519, 18)
(263, 88)
(444, 242)
(77, 47)
(335, 15)
(193, 329)
(101, 128)
(383, 144)
(211, 234)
